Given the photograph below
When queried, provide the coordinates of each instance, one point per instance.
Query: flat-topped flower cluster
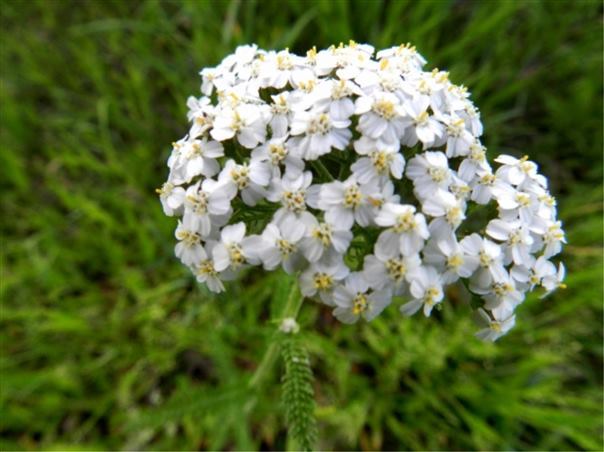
(366, 176)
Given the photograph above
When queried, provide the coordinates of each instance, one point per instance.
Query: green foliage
(298, 397)
(106, 340)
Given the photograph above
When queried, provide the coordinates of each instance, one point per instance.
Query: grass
(108, 343)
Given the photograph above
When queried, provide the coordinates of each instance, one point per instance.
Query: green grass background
(107, 341)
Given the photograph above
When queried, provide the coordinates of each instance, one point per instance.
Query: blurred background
(107, 342)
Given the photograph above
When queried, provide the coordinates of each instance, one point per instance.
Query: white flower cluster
(340, 160)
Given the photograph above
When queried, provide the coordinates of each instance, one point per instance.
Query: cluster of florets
(366, 177)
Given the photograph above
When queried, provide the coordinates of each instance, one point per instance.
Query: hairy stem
(291, 309)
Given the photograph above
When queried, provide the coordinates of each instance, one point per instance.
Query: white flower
(429, 171)
(206, 204)
(200, 114)
(189, 249)
(517, 238)
(354, 299)
(234, 249)
(381, 117)
(459, 137)
(448, 211)
(244, 121)
(389, 269)
(249, 179)
(206, 272)
(494, 328)
(405, 55)
(533, 271)
(426, 290)
(278, 68)
(260, 155)
(475, 162)
(293, 193)
(407, 229)
(516, 203)
(448, 255)
(380, 162)
(553, 238)
(322, 277)
(516, 171)
(486, 186)
(319, 133)
(427, 129)
(282, 112)
(552, 282)
(387, 78)
(171, 197)
(278, 245)
(490, 259)
(335, 97)
(347, 202)
(323, 238)
(199, 158)
(276, 153)
(501, 296)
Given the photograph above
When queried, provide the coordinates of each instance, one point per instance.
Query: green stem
(322, 170)
(291, 309)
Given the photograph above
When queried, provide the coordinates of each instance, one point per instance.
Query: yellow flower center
(477, 153)
(295, 201)
(455, 261)
(285, 247)
(320, 124)
(277, 153)
(312, 54)
(514, 238)
(501, 289)
(241, 176)
(487, 179)
(165, 189)
(485, 259)
(206, 268)
(352, 197)
(307, 85)
(236, 255)
(454, 216)
(359, 304)
(456, 127)
(323, 233)
(381, 161)
(237, 122)
(196, 151)
(189, 238)
(430, 296)
(437, 174)
(284, 62)
(396, 269)
(523, 199)
(405, 222)
(495, 326)
(323, 281)
(384, 108)
(525, 165)
(280, 106)
(422, 118)
(198, 202)
(340, 90)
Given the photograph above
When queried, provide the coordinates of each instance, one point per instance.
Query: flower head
(346, 159)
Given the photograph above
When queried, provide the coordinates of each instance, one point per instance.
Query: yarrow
(361, 174)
